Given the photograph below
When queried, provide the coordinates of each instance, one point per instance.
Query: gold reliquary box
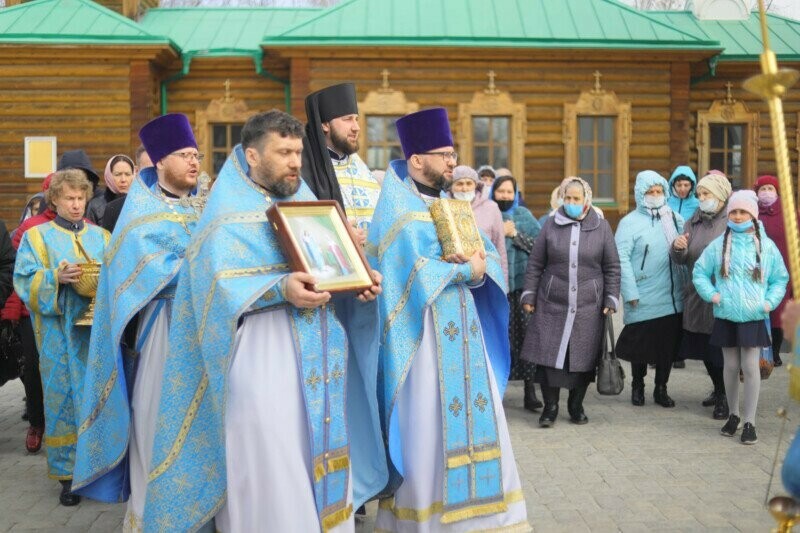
(456, 227)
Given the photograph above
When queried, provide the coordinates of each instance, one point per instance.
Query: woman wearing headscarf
(467, 187)
(118, 176)
(770, 215)
(572, 280)
(707, 223)
(520, 230)
(652, 287)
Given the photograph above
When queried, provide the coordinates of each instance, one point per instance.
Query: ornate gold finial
(597, 87)
(728, 95)
(491, 88)
(385, 88)
(227, 91)
(771, 85)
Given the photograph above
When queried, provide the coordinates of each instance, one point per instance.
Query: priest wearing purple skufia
(444, 356)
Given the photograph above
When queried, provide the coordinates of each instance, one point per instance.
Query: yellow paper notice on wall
(40, 156)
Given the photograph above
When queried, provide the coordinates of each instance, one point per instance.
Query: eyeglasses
(445, 155)
(188, 156)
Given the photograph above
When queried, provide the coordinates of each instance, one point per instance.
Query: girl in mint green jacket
(743, 275)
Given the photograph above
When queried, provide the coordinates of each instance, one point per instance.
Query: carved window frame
(601, 103)
(385, 102)
(728, 111)
(220, 111)
(494, 103)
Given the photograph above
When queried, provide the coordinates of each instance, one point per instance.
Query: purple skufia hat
(166, 134)
(424, 131)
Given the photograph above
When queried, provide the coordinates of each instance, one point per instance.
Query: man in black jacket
(7, 256)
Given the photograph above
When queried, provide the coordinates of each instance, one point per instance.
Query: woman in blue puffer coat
(682, 199)
(652, 287)
(743, 275)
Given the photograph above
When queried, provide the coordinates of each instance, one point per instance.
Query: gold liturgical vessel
(87, 285)
(771, 85)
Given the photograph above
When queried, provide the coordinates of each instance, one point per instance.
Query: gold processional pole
(771, 85)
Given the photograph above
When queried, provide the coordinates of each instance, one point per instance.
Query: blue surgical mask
(573, 210)
(709, 206)
(741, 226)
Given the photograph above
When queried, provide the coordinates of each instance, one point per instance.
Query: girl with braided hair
(742, 273)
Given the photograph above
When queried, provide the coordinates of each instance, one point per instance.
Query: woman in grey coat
(572, 280)
(707, 223)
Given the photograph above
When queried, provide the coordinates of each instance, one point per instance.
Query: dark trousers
(715, 373)
(639, 371)
(32, 379)
(777, 340)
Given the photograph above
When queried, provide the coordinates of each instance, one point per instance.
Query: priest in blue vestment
(444, 355)
(48, 266)
(268, 418)
(132, 320)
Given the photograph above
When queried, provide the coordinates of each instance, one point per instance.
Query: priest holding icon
(268, 418)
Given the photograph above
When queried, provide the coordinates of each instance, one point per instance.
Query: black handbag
(11, 355)
(610, 375)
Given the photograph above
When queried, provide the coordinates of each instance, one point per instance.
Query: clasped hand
(296, 290)
(477, 263)
(68, 273)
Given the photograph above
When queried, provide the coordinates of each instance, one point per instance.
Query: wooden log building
(581, 87)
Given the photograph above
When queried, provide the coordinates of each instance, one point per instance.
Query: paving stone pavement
(630, 469)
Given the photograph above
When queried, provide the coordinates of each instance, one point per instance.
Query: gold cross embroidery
(337, 373)
(313, 379)
(474, 328)
(481, 402)
(307, 315)
(455, 406)
(451, 330)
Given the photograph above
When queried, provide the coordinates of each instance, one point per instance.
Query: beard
(178, 183)
(434, 177)
(342, 145)
(279, 185)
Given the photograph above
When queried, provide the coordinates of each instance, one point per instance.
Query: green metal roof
(600, 24)
(222, 31)
(741, 39)
(71, 22)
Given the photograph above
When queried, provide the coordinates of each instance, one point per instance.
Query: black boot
(575, 406)
(637, 393)
(721, 410)
(679, 364)
(67, 497)
(531, 403)
(661, 397)
(711, 399)
(550, 412)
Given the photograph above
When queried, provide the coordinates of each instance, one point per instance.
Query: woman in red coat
(771, 216)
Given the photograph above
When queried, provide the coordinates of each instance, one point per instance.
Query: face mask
(573, 210)
(709, 206)
(467, 196)
(504, 205)
(766, 198)
(653, 202)
(741, 226)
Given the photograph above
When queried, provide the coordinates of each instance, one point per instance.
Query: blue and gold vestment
(63, 347)
(470, 322)
(234, 265)
(141, 264)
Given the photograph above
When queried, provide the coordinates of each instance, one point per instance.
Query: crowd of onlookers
(698, 269)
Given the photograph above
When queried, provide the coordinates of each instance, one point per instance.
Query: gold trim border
(423, 515)
(194, 406)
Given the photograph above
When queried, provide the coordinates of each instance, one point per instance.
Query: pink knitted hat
(745, 200)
